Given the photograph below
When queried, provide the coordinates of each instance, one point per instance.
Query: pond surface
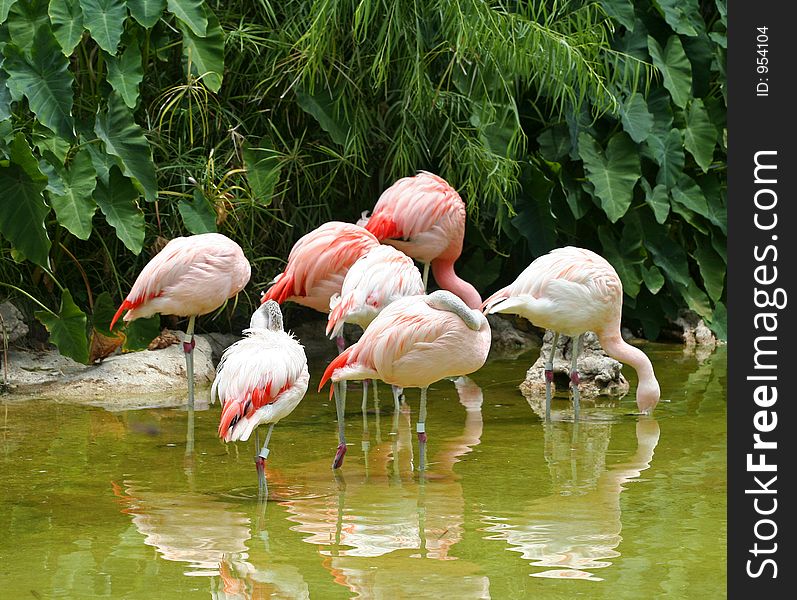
(96, 503)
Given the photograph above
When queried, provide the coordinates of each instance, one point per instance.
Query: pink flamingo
(318, 263)
(260, 379)
(376, 279)
(570, 291)
(424, 217)
(413, 342)
(191, 276)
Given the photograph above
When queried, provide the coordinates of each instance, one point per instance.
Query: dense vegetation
(595, 124)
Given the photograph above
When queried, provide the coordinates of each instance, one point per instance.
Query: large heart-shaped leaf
(262, 172)
(146, 12)
(700, 136)
(626, 265)
(104, 310)
(682, 15)
(25, 19)
(105, 20)
(668, 255)
(712, 267)
(192, 13)
(67, 19)
(322, 107)
(139, 333)
(658, 199)
(5, 95)
(5, 6)
(198, 215)
(668, 152)
(118, 202)
(67, 329)
(718, 322)
(621, 11)
(687, 193)
(23, 210)
(696, 299)
(653, 278)
(125, 140)
(126, 72)
(675, 68)
(44, 79)
(637, 121)
(205, 53)
(555, 143)
(75, 207)
(613, 174)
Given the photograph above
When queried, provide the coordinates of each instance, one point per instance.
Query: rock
(11, 321)
(507, 339)
(600, 374)
(696, 336)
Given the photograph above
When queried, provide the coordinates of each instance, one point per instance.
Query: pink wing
(376, 279)
(318, 264)
(190, 276)
(423, 216)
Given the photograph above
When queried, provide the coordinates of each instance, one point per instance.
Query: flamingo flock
(364, 274)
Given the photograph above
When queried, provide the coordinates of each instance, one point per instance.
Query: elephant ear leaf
(67, 329)
(613, 173)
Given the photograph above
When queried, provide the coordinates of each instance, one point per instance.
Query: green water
(96, 503)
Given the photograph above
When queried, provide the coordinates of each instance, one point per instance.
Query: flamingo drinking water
(572, 290)
(191, 276)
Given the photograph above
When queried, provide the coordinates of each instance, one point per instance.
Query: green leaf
(674, 67)
(718, 322)
(715, 199)
(660, 108)
(668, 152)
(621, 11)
(5, 6)
(105, 20)
(126, 72)
(688, 194)
(555, 143)
(125, 140)
(653, 278)
(700, 136)
(67, 19)
(44, 79)
(22, 220)
(613, 174)
(67, 329)
(205, 53)
(5, 95)
(146, 12)
(46, 141)
(696, 299)
(576, 197)
(198, 215)
(682, 15)
(668, 255)
(712, 268)
(139, 333)
(262, 172)
(117, 201)
(25, 19)
(104, 310)
(75, 207)
(192, 13)
(637, 121)
(658, 200)
(321, 106)
(534, 220)
(627, 266)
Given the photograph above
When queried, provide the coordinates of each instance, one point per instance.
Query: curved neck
(616, 347)
(443, 271)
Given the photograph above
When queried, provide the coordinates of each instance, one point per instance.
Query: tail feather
(341, 360)
(383, 227)
(280, 291)
(338, 314)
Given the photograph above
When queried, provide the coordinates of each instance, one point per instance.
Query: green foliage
(67, 329)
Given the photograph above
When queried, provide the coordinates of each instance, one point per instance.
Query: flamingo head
(267, 316)
(647, 395)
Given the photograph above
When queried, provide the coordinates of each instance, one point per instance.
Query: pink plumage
(376, 279)
(424, 217)
(191, 276)
(318, 263)
(571, 291)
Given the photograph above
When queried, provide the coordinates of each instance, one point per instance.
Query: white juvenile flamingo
(191, 276)
(570, 291)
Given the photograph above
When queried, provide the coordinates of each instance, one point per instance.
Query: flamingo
(424, 217)
(413, 342)
(572, 290)
(191, 276)
(376, 279)
(318, 263)
(260, 379)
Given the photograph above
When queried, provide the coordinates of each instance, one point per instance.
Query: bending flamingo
(191, 276)
(424, 217)
(376, 279)
(570, 291)
(413, 342)
(260, 379)
(318, 263)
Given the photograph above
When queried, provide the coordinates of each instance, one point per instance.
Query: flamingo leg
(188, 348)
(549, 377)
(340, 406)
(366, 442)
(574, 378)
(397, 391)
(420, 427)
(340, 342)
(425, 276)
(260, 463)
(376, 414)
